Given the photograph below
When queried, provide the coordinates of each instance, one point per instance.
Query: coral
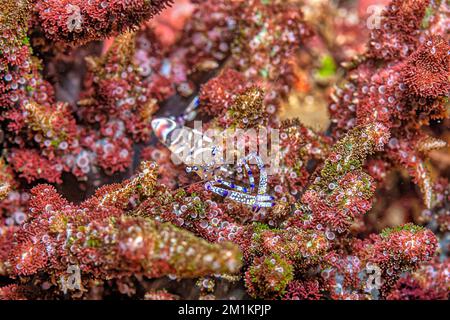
(424, 284)
(427, 70)
(268, 276)
(217, 93)
(99, 102)
(13, 292)
(81, 21)
(309, 290)
(106, 243)
(401, 26)
(247, 109)
(119, 103)
(397, 250)
(30, 114)
(343, 191)
(160, 295)
(402, 82)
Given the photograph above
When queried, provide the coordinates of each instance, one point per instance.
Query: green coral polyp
(406, 227)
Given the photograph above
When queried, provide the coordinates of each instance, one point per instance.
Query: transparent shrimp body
(202, 156)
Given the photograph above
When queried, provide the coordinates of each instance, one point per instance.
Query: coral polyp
(262, 149)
